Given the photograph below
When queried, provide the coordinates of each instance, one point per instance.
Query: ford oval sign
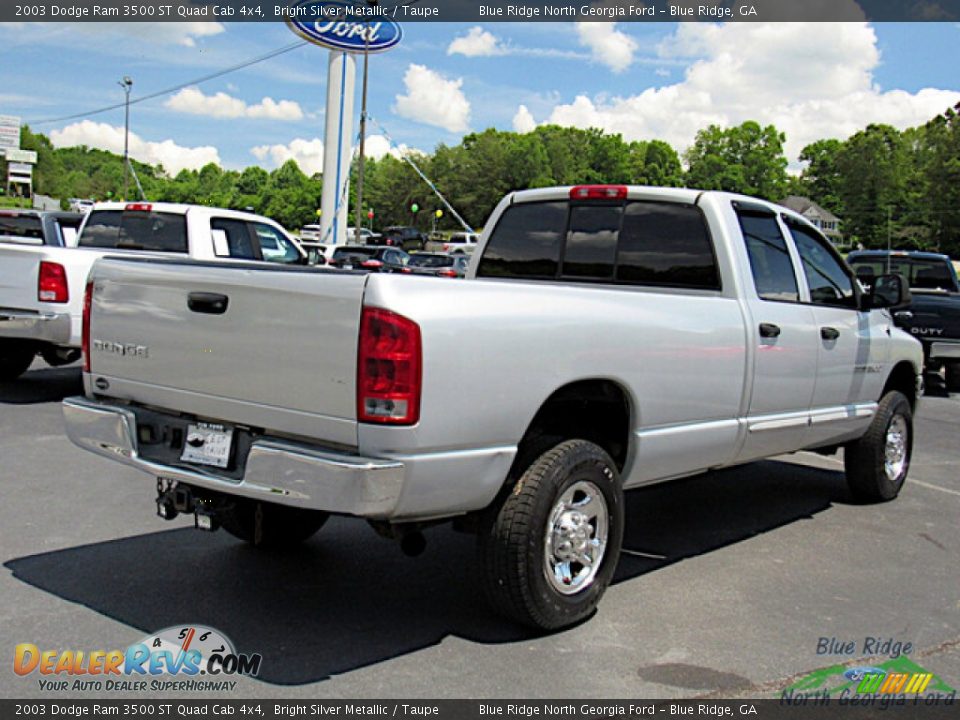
(344, 25)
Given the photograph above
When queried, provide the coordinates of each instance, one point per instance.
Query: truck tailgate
(281, 356)
(18, 277)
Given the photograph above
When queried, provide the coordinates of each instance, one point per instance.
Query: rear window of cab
(135, 230)
(634, 243)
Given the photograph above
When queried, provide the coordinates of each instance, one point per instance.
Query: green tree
(821, 178)
(747, 159)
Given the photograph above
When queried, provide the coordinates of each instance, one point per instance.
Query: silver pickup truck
(614, 337)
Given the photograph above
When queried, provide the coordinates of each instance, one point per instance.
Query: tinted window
(828, 280)
(430, 261)
(664, 244)
(922, 274)
(526, 242)
(136, 230)
(21, 229)
(235, 236)
(362, 253)
(592, 241)
(769, 258)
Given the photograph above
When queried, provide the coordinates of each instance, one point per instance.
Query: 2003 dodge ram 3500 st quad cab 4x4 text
(613, 336)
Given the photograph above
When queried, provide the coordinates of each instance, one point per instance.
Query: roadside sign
(9, 132)
(22, 156)
(344, 26)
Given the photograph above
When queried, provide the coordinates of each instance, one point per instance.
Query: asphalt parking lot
(726, 586)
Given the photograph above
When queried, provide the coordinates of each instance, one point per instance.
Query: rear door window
(21, 229)
(770, 262)
(231, 238)
(135, 230)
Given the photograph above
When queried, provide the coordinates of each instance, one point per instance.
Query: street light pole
(126, 84)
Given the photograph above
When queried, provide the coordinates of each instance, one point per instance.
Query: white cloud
(433, 99)
(523, 121)
(811, 82)
(476, 43)
(192, 100)
(607, 45)
(307, 153)
(156, 33)
(377, 146)
(173, 157)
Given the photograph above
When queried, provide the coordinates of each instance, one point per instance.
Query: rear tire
(549, 548)
(877, 463)
(952, 376)
(15, 357)
(268, 525)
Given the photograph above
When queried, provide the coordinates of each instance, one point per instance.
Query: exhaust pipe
(413, 543)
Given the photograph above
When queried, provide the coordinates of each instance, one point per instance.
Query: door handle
(769, 330)
(829, 333)
(208, 303)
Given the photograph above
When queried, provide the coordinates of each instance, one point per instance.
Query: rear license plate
(208, 444)
(348, 267)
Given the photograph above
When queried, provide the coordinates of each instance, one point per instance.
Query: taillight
(598, 192)
(85, 332)
(52, 283)
(447, 272)
(371, 264)
(388, 368)
(138, 207)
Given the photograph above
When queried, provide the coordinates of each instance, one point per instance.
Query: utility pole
(126, 84)
(888, 238)
(358, 211)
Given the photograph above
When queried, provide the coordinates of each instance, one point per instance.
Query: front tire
(952, 376)
(877, 463)
(549, 549)
(268, 525)
(15, 357)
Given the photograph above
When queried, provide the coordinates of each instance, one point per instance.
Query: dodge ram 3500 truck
(41, 285)
(613, 336)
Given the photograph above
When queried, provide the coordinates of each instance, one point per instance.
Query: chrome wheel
(895, 448)
(576, 538)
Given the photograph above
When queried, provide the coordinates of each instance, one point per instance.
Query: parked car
(613, 337)
(373, 258)
(457, 243)
(310, 233)
(367, 236)
(81, 205)
(934, 315)
(36, 227)
(454, 266)
(41, 286)
(408, 238)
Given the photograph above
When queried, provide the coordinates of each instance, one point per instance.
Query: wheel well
(594, 410)
(903, 379)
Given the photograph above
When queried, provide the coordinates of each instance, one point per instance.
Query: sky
(642, 80)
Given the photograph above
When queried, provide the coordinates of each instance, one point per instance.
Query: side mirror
(889, 291)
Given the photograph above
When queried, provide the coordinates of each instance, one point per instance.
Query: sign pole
(337, 147)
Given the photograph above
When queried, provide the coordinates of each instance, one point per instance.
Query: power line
(181, 86)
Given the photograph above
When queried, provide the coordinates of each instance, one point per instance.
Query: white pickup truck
(614, 337)
(41, 285)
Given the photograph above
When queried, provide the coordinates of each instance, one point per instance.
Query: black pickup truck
(934, 315)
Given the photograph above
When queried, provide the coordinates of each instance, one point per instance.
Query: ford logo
(344, 25)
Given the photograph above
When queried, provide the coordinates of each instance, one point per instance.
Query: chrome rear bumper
(277, 471)
(45, 327)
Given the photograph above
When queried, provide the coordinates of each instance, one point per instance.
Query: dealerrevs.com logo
(179, 658)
